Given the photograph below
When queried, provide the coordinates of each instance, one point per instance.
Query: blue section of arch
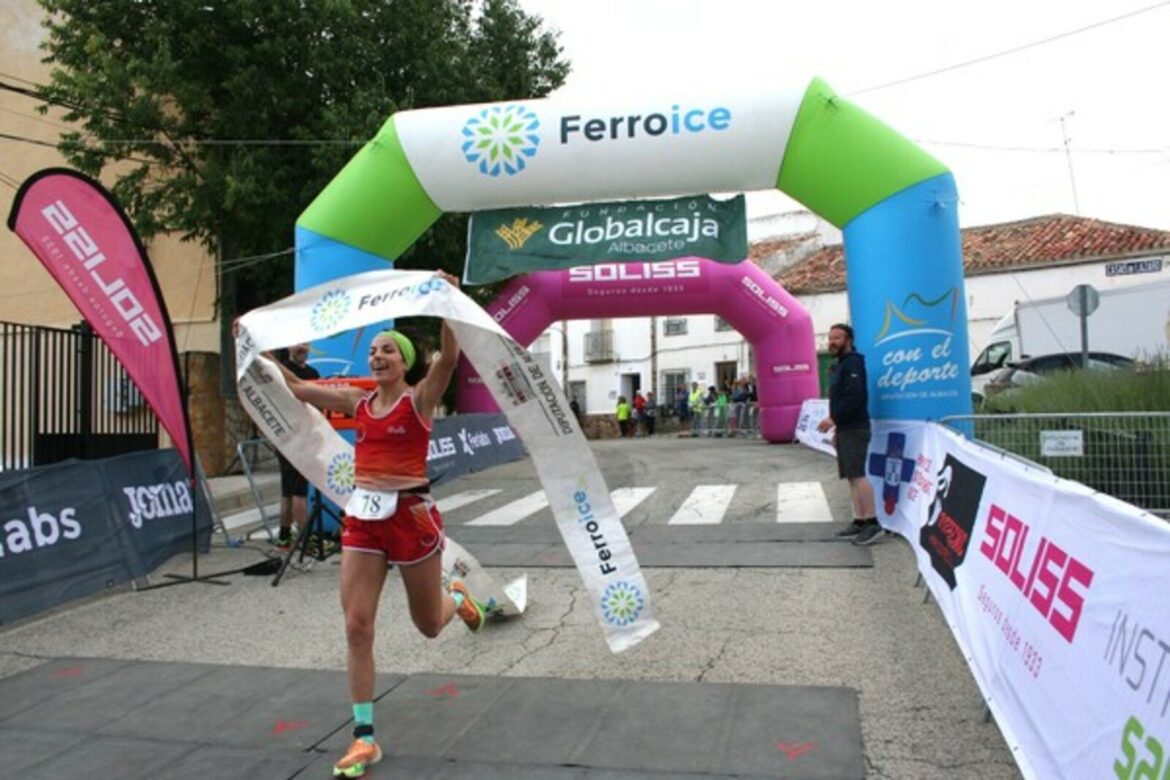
(904, 270)
(320, 259)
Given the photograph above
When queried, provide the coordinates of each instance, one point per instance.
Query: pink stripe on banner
(89, 246)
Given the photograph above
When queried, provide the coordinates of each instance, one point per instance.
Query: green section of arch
(376, 203)
(840, 160)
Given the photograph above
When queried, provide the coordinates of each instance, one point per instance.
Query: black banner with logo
(75, 528)
(468, 443)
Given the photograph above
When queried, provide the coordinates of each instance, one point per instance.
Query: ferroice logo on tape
(622, 603)
(340, 473)
(330, 309)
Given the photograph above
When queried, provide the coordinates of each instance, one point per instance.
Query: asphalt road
(921, 714)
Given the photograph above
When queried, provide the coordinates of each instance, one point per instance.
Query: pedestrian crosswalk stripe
(802, 502)
(796, 502)
(625, 499)
(457, 500)
(706, 505)
(510, 514)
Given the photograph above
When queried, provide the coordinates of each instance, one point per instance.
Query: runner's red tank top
(391, 450)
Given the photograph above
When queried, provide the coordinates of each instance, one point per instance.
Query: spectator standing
(695, 399)
(849, 415)
(651, 412)
(639, 412)
(623, 416)
(294, 488)
(721, 411)
(682, 409)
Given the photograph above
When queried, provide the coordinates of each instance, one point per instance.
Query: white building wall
(699, 350)
(989, 298)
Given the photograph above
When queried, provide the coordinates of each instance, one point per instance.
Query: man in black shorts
(294, 488)
(849, 414)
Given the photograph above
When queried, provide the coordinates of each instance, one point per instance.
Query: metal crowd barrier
(734, 420)
(1124, 454)
(255, 454)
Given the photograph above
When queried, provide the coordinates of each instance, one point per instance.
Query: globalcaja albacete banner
(78, 527)
(1056, 595)
(504, 243)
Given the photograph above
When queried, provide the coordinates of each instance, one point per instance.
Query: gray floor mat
(144, 719)
(650, 729)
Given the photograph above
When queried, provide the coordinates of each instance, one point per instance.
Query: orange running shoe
(360, 757)
(470, 611)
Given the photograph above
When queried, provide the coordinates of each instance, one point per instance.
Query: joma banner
(78, 527)
(508, 242)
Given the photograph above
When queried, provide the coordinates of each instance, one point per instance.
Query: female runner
(391, 518)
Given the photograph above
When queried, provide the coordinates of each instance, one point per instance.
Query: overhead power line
(1013, 50)
(40, 119)
(1043, 149)
(80, 146)
(14, 77)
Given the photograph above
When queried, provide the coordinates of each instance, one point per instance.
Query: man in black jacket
(849, 414)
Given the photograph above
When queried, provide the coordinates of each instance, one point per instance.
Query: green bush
(1125, 457)
(1145, 390)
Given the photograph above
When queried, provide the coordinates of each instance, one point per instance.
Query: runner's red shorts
(414, 532)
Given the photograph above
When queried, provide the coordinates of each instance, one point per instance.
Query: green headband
(405, 348)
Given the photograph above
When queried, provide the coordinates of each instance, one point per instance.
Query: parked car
(1033, 369)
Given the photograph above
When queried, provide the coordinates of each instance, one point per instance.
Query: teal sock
(363, 715)
(458, 597)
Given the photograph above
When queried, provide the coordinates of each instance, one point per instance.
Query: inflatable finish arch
(778, 327)
(896, 205)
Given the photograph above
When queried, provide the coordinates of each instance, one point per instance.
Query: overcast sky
(996, 124)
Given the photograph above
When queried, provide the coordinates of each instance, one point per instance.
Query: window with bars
(674, 326)
(722, 324)
(671, 382)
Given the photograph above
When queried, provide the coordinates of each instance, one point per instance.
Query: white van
(1130, 321)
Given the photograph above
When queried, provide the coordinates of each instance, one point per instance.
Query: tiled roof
(1055, 239)
(760, 250)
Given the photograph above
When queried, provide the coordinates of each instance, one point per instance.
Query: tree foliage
(221, 120)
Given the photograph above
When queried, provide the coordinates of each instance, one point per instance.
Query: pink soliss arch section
(779, 329)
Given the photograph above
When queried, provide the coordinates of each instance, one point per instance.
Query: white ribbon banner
(812, 411)
(1055, 593)
(533, 403)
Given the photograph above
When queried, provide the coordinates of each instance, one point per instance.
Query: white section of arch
(744, 155)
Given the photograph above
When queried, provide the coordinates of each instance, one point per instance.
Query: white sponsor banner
(534, 405)
(812, 412)
(1055, 593)
(558, 150)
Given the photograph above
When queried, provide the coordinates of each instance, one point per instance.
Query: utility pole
(1068, 157)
